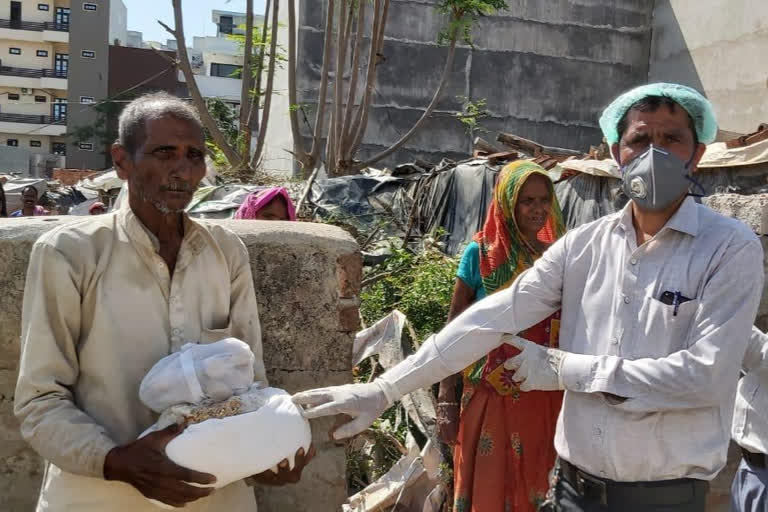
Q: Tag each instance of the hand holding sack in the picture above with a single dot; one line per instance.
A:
(250, 431)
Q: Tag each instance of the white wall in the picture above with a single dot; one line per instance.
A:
(279, 136)
(719, 47)
(227, 89)
(118, 22)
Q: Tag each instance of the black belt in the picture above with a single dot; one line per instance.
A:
(755, 459)
(610, 493)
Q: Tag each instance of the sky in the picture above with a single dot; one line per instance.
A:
(143, 16)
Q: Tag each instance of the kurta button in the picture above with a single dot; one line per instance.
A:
(176, 332)
(627, 300)
(633, 261)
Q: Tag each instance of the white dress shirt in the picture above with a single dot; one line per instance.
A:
(100, 309)
(676, 367)
(750, 416)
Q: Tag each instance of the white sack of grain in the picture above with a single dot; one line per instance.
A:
(213, 371)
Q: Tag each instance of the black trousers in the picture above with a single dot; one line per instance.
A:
(563, 497)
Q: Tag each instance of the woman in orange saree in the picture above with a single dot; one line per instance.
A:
(502, 438)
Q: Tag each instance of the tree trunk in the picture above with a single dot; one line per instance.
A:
(346, 142)
(247, 81)
(270, 84)
(338, 85)
(377, 42)
(322, 95)
(210, 124)
(430, 108)
(256, 99)
(293, 112)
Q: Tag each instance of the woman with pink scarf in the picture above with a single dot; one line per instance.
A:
(269, 204)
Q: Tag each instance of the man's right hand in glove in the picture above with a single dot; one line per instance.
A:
(364, 402)
(144, 465)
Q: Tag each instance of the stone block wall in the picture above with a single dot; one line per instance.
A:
(751, 210)
(307, 280)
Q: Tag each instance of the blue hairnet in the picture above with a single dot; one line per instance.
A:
(697, 106)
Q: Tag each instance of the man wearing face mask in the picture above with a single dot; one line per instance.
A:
(657, 302)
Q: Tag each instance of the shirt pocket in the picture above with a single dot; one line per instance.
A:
(664, 331)
(214, 335)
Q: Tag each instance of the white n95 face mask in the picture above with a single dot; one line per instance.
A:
(655, 179)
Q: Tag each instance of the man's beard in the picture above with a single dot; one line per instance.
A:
(157, 204)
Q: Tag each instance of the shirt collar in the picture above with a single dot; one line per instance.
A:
(139, 234)
(684, 220)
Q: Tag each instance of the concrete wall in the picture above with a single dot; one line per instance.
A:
(718, 47)
(307, 280)
(546, 70)
(89, 30)
(118, 22)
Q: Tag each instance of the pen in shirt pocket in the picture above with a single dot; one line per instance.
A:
(673, 299)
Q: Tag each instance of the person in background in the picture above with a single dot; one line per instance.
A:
(749, 492)
(269, 204)
(3, 205)
(657, 303)
(30, 207)
(85, 349)
(502, 437)
(97, 208)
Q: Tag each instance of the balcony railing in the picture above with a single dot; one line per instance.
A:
(32, 73)
(37, 26)
(31, 119)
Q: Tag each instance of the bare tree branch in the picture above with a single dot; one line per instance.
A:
(322, 94)
(210, 124)
(430, 108)
(270, 85)
(346, 142)
(247, 80)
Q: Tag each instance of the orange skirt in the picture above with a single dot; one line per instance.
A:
(505, 447)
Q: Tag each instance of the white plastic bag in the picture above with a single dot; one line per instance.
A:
(213, 371)
(245, 435)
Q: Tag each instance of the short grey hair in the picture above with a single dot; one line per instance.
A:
(133, 120)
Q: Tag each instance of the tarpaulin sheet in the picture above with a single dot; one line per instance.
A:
(457, 200)
(584, 198)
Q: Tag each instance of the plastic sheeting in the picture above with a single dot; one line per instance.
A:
(584, 198)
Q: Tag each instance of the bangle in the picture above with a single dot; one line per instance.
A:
(447, 403)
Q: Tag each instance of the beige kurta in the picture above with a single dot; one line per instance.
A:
(100, 309)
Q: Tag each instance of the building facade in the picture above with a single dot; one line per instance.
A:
(53, 70)
(34, 78)
(94, 26)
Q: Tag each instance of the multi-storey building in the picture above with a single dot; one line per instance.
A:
(53, 61)
(34, 73)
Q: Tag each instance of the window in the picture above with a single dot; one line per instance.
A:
(89, 7)
(13, 142)
(40, 99)
(225, 24)
(226, 70)
(87, 99)
(43, 7)
(35, 144)
(13, 96)
(88, 54)
(42, 53)
(86, 146)
(14, 51)
(59, 148)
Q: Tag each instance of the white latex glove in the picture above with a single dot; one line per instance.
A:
(364, 402)
(537, 368)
